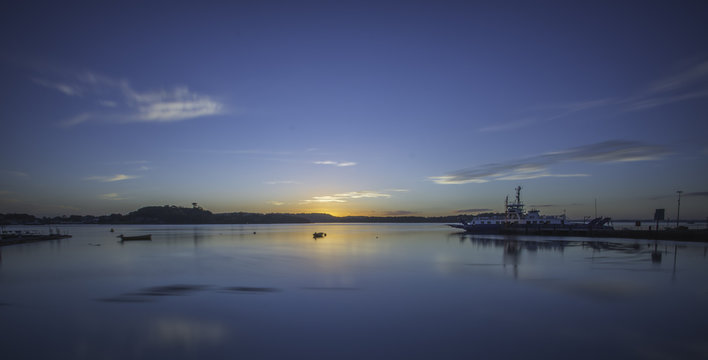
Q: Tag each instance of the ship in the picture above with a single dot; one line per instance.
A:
(518, 220)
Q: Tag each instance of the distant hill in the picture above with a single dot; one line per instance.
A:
(170, 214)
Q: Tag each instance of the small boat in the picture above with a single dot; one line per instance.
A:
(318, 235)
(133, 238)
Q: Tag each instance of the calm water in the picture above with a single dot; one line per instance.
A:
(362, 292)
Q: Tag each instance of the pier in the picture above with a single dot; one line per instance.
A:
(14, 238)
(698, 235)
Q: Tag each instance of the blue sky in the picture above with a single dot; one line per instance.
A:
(355, 108)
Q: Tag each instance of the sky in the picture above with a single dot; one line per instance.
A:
(378, 108)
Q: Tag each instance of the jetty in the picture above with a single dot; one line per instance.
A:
(24, 237)
(588, 231)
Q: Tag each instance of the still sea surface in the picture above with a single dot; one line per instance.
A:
(365, 291)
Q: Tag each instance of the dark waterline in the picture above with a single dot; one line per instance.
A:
(364, 291)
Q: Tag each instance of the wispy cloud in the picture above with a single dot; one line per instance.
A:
(238, 152)
(609, 151)
(276, 203)
(120, 102)
(66, 89)
(516, 124)
(142, 165)
(112, 196)
(281, 182)
(479, 210)
(688, 84)
(399, 213)
(15, 173)
(118, 177)
(77, 119)
(557, 111)
(538, 166)
(345, 197)
(683, 195)
(697, 73)
(176, 105)
(643, 104)
(696, 194)
(538, 176)
(335, 163)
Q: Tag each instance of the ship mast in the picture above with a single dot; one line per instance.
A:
(515, 210)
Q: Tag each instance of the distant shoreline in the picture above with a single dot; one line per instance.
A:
(174, 215)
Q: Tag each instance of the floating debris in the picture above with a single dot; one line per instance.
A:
(148, 294)
(170, 290)
(126, 299)
(251, 289)
(332, 288)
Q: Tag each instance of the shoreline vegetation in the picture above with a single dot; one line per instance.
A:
(170, 214)
(175, 215)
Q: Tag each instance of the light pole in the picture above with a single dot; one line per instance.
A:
(678, 212)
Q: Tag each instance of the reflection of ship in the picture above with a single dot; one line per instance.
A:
(516, 220)
(513, 248)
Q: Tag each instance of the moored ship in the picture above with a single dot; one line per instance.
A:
(517, 220)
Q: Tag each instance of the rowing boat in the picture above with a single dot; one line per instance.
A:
(133, 238)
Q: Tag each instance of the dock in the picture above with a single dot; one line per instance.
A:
(697, 235)
(24, 238)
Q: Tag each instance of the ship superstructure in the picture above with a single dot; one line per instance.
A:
(514, 217)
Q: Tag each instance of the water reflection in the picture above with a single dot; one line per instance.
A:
(185, 333)
(148, 294)
(364, 291)
(513, 247)
(512, 252)
(250, 289)
(515, 243)
(620, 256)
(170, 290)
(656, 254)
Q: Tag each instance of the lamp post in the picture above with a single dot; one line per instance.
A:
(678, 212)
